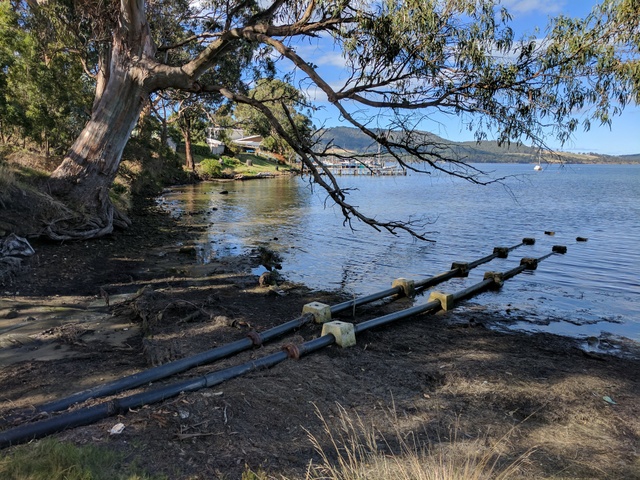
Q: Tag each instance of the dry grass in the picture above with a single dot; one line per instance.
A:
(352, 450)
(7, 182)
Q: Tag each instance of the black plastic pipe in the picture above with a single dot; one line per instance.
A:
(421, 284)
(433, 305)
(88, 415)
(392, 317)
(218, 353)
(177, 366)
(356, 302)
(486, 259)
(497, 253)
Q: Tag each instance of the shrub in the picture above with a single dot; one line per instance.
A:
(196, 149)
(230, 161)
(210, 167)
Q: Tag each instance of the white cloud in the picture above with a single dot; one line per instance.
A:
(534, 6)
(321, 52)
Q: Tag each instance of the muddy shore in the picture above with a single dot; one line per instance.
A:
(78, 315)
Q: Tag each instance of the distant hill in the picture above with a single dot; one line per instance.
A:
(630, 158)
(352, 139)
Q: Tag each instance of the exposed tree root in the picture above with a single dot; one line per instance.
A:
(75, 225)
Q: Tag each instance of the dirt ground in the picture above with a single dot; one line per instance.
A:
(76, 317)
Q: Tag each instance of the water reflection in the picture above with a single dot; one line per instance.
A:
(241, 215)
(595, 283)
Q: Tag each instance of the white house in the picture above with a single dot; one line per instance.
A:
(235, 135)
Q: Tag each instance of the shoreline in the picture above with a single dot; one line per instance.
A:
(436, 372)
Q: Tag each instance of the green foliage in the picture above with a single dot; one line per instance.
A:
(285, 103)
(45, 96)
(196, 149)
(460, 57)
(230, 161)
(271, 144)
(53, 460)
(210, 168)
(405, 61)
(147, 167)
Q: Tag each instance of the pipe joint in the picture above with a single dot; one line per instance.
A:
(255, 337)
(292, 350)
(529, 263)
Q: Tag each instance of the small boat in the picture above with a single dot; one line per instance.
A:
(538, 167)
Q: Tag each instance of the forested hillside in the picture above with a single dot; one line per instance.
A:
(354, 140)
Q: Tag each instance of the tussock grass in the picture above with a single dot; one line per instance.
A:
(355, 451)
(53, 460)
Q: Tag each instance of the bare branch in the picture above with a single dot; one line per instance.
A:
(316, 166)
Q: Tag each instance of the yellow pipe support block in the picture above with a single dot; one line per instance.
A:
(529, 263)
(446, 299)
(497, 277)
(408, 286)
(343, 332)
(462, 267)
(501, 252)
(320, 311)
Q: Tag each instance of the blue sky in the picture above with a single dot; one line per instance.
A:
(622, 138)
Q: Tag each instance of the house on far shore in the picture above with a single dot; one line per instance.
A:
(248, 144)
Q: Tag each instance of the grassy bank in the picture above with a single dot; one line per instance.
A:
(246, 164)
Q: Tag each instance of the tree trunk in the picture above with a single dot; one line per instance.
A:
(83, 179)
(186, 133)
(128, 73)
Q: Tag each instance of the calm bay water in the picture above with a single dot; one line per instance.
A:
(594, 289)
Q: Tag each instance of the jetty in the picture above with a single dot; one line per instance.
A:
(373, 166)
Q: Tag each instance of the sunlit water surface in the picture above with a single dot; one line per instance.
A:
(594, 289)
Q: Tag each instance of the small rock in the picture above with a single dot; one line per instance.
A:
(266, 279)
(117, 429)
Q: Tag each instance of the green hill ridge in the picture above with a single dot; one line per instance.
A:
(353, 140)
